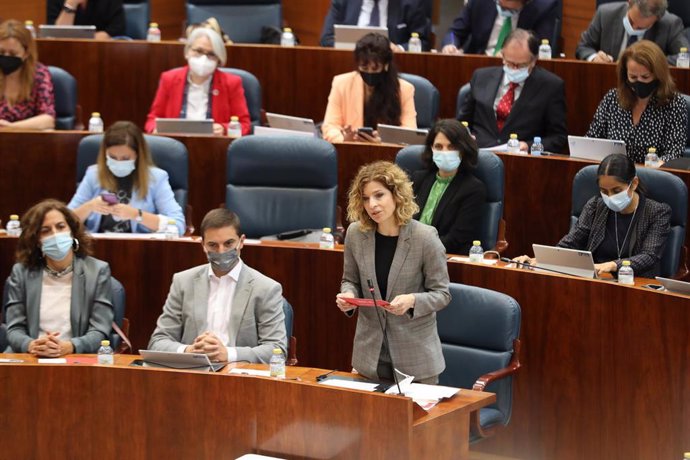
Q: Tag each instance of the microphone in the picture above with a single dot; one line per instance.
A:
(532, 267)
(385, 335)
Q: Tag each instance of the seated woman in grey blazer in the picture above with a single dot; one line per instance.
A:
(59, 298)
(406, 263)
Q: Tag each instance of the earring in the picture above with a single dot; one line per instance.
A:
(75, 244)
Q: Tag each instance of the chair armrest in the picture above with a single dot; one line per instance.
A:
(189, 223)
(683, 273)
(501, 243)
(292, 351)
(512, 367)
(125, 344)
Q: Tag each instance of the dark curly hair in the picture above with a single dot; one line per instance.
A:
(459, 138)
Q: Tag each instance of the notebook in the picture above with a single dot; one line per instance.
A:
(591, 148)
(184, 126)
(346, 37)
(191, 361)
(51, 31)
(404, 136)
(571, 261)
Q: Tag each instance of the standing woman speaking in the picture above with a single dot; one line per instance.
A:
(406, 263)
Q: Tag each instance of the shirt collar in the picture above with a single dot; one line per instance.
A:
(233, 274)
(445, 180)
(204, 85)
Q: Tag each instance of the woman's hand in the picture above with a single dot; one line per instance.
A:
(344, 306)
(400, 304)
(99, 206)
(124, 211)
(374, 138)
(218, 129)
(349, 134)
(525, 260)
(606, 267)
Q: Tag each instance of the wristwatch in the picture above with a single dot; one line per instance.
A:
(68, 9)
(140, 216)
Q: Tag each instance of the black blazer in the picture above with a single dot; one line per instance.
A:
(539, 111)
(472, 28)
(404, 17)
(106, 15)
(458, 214)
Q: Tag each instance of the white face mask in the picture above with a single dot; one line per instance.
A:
(201, 66)
(629, 28)
(516, 75)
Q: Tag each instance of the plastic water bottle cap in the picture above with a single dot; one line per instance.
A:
(537, 140)
(14, 217)
(327, 229)
(465, 124)
(513, 136)
(277, 351)
(287, 29)
(96, 114)
(476, 243)
(31, 23)
(544, 41)
(626, 263)
(652, 150)
(415, 35)
(171, 221)
(153, 25)
(105, 343)
(234, 118)
(682, 50)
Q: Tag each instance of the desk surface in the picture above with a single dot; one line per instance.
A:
(151, 413)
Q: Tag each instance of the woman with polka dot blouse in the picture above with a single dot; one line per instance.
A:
(645, 110)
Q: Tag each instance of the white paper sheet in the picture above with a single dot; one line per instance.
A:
(256, 372)
(52, 361)
(351, 384)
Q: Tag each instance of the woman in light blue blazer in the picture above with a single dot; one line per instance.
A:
(124, 192)
(59, 299)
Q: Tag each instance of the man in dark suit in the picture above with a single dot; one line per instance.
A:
(620, 24)
(483, 25)
(518, 98)
(402, 17)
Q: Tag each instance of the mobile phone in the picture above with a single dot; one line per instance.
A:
(110, 198)
(366, 130)
(656, 287)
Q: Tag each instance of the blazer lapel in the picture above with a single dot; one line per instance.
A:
(393, 16)
(446, 198)
(401, 252)
(598, 226)
(527, 93)
(487, 95)
(78, 297)
(368, 248)
(240, 301)
(353, 12)
(34, 283)
(614, 35)
(200, 306)
(423, 192)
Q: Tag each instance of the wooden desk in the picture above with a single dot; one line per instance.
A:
(142, 413)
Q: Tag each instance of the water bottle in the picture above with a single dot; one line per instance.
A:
(415, 43)
(154, 33)
(626, 275)
(326, 241)
(29, 25)
(513, 144)
(234, 127)
(686, 456)
(537, 147)
(544, 50)
(476, 251)
(683, 58)
(171, 230)
(105, 353)
(13, 226)
(651, 160)
(287, 38)
(277, 364)
(96, 123)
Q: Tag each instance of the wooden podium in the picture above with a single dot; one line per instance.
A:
(88, 411)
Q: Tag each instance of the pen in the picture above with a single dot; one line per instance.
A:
(5, 360)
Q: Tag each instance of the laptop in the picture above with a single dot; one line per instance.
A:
(191, 361)
(305, 125)
(592, 148)
(346, 37)
(404, 136)
(569, 261)
(273, 132)
(184, 126)
(52, 31)
(680, 287)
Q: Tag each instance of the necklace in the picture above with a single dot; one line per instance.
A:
(59, 274)
(619, 248)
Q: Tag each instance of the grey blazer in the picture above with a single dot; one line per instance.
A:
(606, 32)
(91, 314)
(257, 323)
(419, 267)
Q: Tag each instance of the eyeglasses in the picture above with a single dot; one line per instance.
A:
(202, 52)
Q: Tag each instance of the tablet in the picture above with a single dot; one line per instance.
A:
(571, 261)
(52, 31)
(404, 136)
(364, 302)
(188, 361)
(592, 148)
(287, 122)
(346, 37)
(679, 287)
(184, 126)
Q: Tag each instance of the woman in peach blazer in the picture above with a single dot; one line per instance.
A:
(371, 95)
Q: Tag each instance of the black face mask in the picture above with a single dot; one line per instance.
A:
(643, 90)
(372, 79)
(9, 64)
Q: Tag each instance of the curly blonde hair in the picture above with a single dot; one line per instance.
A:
(395, 180)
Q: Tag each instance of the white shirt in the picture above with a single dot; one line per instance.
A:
(197, 99)
(496, 30)
(367, 8)
(503, 89)
(56, 306)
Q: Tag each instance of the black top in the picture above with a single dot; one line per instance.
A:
(383, 259)
(124, 196)
(608, 249)
(106, 15)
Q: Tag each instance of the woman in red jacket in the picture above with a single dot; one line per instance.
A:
(200, 91)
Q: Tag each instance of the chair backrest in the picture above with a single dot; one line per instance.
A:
(489, 170)
(252, 93)
(136, 19)
(119, 306)
(168, 154)
(278, 184)
(463, 92)
(680, 8)
(686, 153)
(242, 20)
(477, 330)
(65, 89)
(426, 99)
(287, 311)
(661, 186)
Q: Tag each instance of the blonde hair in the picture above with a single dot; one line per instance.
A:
(15, 29)
(647, 54)
(395, 180)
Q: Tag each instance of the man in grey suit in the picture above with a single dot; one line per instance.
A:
(224, 309)
(620, 24)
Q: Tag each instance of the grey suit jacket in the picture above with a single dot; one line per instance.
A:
(419, 267)
(606, 32)
(257, 323)
(91, 314)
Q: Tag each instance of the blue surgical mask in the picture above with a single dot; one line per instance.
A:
(447, 160)
(120, 168)
(516, 75)
(57, 246)
(629, 28)
(617, 202)
(506, 13)
(223, 261)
